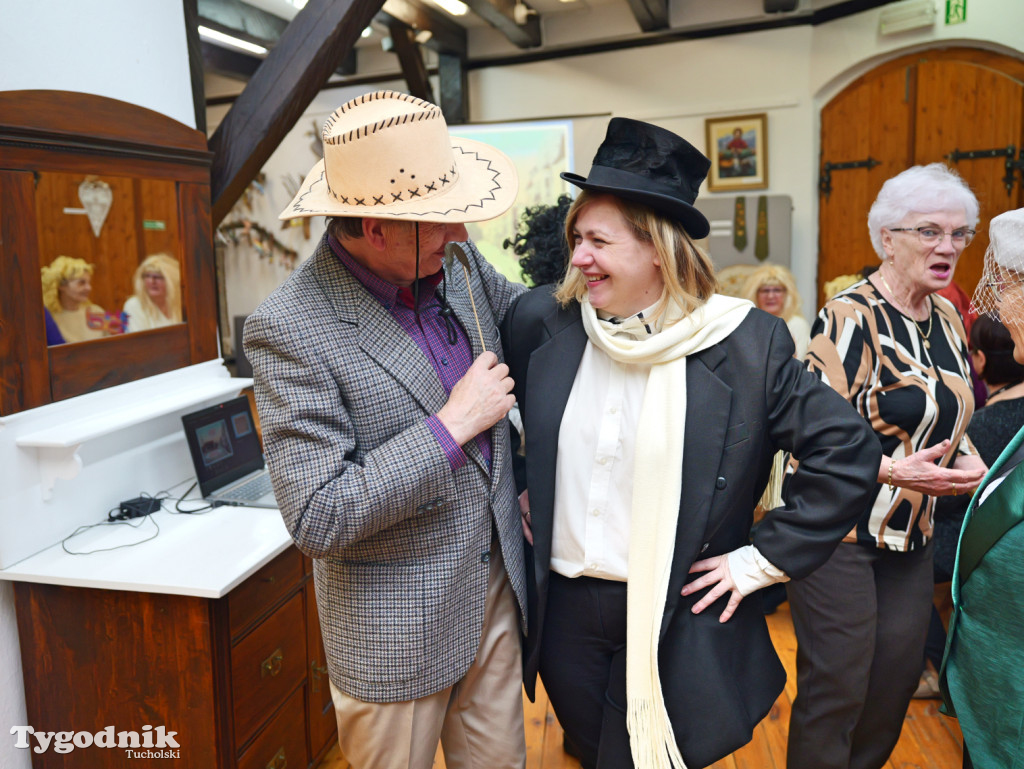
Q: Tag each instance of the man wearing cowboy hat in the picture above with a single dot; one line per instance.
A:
(382, 404)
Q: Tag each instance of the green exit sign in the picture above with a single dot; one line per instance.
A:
(153, 224)
(956, 11)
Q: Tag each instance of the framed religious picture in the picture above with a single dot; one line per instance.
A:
(738, 149)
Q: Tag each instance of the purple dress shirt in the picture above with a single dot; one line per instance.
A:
(429, 331)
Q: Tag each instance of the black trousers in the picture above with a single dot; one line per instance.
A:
(583, 667)
(860, 622)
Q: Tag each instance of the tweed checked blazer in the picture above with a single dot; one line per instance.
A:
(400, 542)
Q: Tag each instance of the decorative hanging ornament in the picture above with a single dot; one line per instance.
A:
(96, 197)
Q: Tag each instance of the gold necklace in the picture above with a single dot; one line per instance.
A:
(931, 316)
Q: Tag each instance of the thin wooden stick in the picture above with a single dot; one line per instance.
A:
(453, 249)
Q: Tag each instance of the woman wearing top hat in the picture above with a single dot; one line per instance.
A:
(652, 408)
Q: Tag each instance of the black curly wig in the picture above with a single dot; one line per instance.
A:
(540, 242)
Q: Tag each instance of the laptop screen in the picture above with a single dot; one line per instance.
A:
(224, 444)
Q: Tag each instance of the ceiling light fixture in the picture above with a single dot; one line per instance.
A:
(366, 32)
(220, 37)
(454, 7)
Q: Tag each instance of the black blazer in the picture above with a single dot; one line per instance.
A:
(747, 397)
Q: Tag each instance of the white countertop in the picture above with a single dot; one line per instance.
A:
(204, 555)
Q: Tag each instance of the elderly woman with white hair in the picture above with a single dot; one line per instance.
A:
(897, 351)
(981, 673)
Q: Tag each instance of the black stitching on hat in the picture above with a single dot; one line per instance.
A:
(432, 187)
(378, 201)
(396, 196)
(444, 179)
(360, 202)
(414, 193)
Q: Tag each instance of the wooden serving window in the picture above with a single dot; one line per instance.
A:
(153, 178)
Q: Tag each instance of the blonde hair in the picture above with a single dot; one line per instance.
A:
(774, 275)
(57, 273)
(687, 271)
(167, 266)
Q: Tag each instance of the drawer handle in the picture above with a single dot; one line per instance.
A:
(271, 579)
(318, 672)
(279, 761)
(272, 665)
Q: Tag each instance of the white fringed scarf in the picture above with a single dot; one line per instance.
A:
(657, 484)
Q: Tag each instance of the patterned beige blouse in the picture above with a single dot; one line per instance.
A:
(914, 393)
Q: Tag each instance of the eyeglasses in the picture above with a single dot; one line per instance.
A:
(772, 290)
(931, 236)
(998, 288)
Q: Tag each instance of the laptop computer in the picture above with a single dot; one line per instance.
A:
(227, 455)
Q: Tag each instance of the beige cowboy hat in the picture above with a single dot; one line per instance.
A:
(388, 155)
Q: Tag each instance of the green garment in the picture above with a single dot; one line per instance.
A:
(982, 673)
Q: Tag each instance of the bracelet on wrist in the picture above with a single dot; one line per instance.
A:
(892, 463)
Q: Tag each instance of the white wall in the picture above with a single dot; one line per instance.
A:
(787, 73)
(123, 49)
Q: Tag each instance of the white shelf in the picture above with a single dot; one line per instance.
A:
(105, 422)
(57, 445)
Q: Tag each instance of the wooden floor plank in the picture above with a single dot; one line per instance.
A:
(929, 740)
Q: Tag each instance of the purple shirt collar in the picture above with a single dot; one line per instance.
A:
(386, 293)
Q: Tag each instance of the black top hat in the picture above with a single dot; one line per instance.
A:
(649, 165)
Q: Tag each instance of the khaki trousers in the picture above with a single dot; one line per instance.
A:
(478, 721)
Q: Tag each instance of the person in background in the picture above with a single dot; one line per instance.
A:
(653, 407)
(991, 429)
(981, 673)
(897, 352)
(53, 335)
(67, 284)
(383, 403)
(771, 288)
(157, 298)
(539, 242)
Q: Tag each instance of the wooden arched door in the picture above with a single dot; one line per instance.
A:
(961, 106)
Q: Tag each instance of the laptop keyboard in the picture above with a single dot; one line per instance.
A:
(253, 489)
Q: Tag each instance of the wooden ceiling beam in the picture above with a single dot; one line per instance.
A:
(414, 70)
(502, 15)
(319, 37)
(246, 21)
(445, 35)
(651, 15)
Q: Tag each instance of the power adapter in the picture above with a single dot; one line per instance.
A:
(137, 508)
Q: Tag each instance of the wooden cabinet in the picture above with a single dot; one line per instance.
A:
(240, 681)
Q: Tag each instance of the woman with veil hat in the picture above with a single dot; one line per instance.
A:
(981, 677)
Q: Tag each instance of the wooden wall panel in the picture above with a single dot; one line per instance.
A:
(157, 202)
(113, 255)
(85, 367)
(871, 119)
(199, 285)
(24, 366)
(947, 92)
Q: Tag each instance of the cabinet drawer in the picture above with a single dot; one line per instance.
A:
(282, 745)
(263, 589)
(266, 666)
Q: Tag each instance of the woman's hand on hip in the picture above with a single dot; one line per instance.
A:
(524, 512)
(719, 579)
